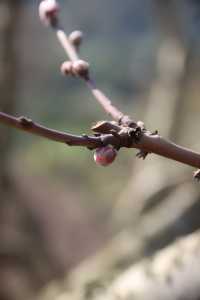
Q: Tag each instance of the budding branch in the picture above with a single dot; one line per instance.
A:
(148, 143)
(124, 132)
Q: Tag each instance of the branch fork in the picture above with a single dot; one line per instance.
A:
(123, 131)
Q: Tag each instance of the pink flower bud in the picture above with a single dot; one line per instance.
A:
(80, 68)
(66, 68)
(76, 38)
(104, 156)
(48, 11)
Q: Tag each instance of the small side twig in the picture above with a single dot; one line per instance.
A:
(29, 126)
(103, 100)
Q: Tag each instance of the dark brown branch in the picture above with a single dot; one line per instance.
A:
(149, 143)
(158, 145)
(28, 125)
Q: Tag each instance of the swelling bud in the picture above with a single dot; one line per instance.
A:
(66, 68)
(76, 38)
(48, 11)
(80, 68)
(104, 156)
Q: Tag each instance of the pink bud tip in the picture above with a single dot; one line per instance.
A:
(76, 38)
(104, 156)
(48, 11)
(80, 68)
(66, 68)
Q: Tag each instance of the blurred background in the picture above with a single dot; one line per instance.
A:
(58, 210)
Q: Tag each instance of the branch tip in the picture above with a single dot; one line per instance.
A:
(76, 38)
(48, 12)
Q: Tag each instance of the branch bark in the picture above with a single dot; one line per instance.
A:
(26, 124)
(147, 142)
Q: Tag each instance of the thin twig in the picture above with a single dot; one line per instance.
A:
(29, 126)
(103, 100)
(67, 46)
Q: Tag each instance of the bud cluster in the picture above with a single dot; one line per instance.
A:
(76, 68)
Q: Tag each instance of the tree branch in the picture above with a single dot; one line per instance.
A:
(29, 126)
(148, 143)
(126, 133)
(158, 145)
(102, 99)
